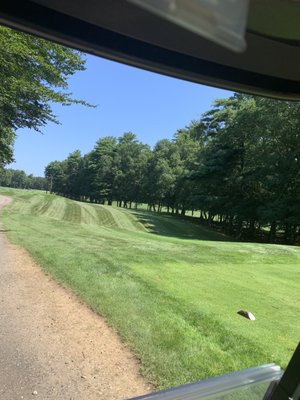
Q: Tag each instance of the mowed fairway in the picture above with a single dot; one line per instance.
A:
(170, 288)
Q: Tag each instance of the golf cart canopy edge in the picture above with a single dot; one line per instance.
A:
(122, 31)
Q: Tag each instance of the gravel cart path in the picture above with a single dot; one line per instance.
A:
(51, 345)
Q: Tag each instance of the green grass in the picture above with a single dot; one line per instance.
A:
(170, 288)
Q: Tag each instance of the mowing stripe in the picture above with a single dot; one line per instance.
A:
(71, 212)
(88, 214)
(105, 217)
(122, 219)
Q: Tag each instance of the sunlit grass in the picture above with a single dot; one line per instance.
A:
(172, 295)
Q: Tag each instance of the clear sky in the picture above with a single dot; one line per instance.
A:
(129, 99)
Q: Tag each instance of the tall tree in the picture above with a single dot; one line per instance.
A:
(101, 169)
(73, 172)
(132, 161)
(189, 143)
(161, 178)
(55, 173)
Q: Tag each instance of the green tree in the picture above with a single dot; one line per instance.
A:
(132, 158)
(189, 143)
(160, 178)
(33, 75)
(55, 173)
(73, 171)
(101, 169)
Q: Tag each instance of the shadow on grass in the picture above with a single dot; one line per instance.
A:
(176, 226)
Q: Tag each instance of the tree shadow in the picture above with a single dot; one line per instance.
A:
(176, 226)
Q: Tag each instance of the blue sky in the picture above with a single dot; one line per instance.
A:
(129, 99)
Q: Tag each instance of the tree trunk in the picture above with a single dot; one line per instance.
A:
(239, 228)
(210, 218)
(290, 233)
(230, 225)
(251, 228)
(272, 233)
(293, 234)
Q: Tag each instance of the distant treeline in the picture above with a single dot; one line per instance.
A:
(239, 165)
(16, 178)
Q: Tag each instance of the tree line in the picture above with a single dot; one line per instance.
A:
(239, 165)
(17, 178)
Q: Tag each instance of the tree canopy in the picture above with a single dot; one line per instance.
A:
(33, 74)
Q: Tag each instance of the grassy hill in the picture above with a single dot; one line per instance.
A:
(171, 288)
(60, 208)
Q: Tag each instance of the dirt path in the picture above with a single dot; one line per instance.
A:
(51, 345)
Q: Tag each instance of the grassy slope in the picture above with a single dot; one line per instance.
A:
(172, 295)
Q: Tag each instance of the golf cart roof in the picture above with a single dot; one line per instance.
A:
(123, 31)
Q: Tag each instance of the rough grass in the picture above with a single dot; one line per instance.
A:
(170, 288)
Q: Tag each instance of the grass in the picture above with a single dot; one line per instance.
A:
(170, 288)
